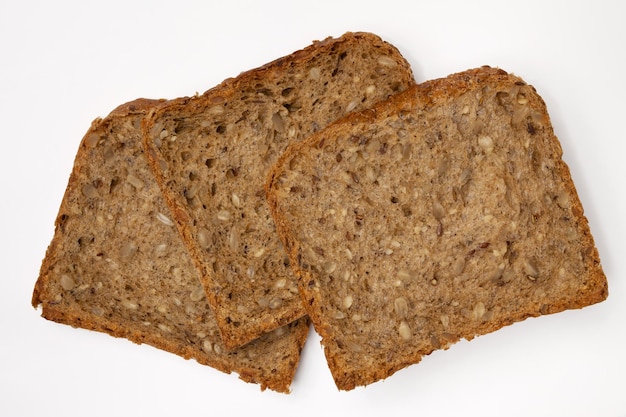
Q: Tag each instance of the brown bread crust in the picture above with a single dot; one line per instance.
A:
(115, 266)
(445, 212)
(210, 155)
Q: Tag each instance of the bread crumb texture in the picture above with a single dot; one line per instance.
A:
(443, 213)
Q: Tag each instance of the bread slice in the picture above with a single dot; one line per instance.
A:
(117, 265)
(444, 213)
(211, 153)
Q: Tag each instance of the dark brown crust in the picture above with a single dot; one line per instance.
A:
(425, 96)
(216, 95)
(278, 380)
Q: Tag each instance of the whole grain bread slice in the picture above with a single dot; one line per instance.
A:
(116, 263)
(210, 154)
(444, 213)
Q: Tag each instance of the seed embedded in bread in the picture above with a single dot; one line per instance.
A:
(486, 143)
(404, 330)
(401, 307)
(223, 215)
(164, 219)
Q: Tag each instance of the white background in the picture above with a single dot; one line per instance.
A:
(64, 63)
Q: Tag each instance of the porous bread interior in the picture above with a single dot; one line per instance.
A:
(211, 155)
(117, 265)
(433, 219)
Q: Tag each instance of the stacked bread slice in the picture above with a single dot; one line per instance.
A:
(173, 244)
(211, 155)
(445, 212)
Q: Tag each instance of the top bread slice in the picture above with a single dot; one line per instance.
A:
(444, 213)
(116, 263)
(211, 153)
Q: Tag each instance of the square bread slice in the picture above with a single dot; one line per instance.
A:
(211, 154)
(444, 213)
(116, 263)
